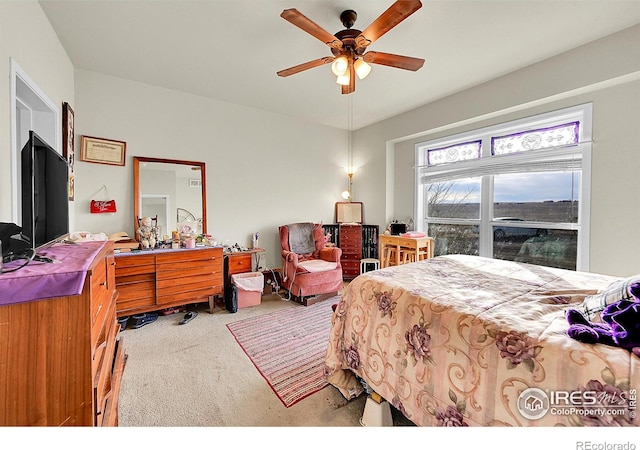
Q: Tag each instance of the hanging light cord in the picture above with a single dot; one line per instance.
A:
(350, 126)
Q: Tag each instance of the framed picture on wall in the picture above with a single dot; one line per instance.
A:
(102, 151)
(68, 144)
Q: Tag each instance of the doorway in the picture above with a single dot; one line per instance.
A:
(33, 110)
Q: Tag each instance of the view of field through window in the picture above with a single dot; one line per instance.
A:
(511, 191)
(524, 231)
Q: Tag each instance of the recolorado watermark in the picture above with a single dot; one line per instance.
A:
(534, 404)
(590, 445)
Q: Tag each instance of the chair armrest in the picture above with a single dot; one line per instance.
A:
(331, 254)
(289, 264)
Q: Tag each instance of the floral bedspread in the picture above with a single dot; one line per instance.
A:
(470, 341)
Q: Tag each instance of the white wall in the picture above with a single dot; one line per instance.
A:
(263, 169)
(605, 72)
(27, 37)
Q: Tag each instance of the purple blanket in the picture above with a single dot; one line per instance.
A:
(40, 280)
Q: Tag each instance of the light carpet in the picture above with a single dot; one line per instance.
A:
(288, 348)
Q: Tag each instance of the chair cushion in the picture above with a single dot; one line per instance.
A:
(317, 265)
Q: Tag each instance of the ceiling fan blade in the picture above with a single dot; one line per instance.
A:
(396, 13)
(391, 60)
(305, 24)
(305, 66)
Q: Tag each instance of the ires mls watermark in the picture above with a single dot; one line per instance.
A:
(534, 403)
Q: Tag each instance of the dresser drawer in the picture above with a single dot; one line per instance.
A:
(192, 255)
(104, 365)
(196, 286)
(102, 297)
(100, 331)
(136, 292)
(134, 260)
(351, 269)
(109, 415)
(353, 248)
(134, 265)
(186, 269)
(239, 264)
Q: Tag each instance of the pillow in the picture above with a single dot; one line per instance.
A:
(625, 289)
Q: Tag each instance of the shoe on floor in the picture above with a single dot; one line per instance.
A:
(140, 320)
(174, 310)
(188, 317)
(122, 321)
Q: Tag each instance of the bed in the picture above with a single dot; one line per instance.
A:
(469, 341)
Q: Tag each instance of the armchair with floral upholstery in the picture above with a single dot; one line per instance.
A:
(309, 268)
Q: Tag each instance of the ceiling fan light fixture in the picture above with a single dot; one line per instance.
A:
(340, 65)
(343, 79)
(362, 68)
(348, 46)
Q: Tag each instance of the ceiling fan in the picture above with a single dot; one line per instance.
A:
(349, 45)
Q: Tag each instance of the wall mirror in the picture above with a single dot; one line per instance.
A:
(349, 212)
(173, 190)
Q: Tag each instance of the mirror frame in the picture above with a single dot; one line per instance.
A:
(347, 210)
(136, 185)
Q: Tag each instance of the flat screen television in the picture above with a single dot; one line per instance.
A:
(45, 195)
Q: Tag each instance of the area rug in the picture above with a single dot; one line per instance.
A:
(288, 348)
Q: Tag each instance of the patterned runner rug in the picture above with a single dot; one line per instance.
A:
(288, 348)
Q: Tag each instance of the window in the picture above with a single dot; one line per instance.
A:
(517, 191)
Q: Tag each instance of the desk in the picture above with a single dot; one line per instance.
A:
(396, 250)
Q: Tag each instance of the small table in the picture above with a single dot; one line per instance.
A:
(404, 249)
(239, 262)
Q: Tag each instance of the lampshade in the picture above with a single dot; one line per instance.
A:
(346, 195)
(350, 170)
(340, 65)
(343, 79)
(361, 68)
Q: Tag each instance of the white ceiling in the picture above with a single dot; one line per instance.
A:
(230, 50)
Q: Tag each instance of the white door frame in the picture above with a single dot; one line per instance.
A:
(31, 109)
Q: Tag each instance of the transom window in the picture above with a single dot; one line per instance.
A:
(517, 191)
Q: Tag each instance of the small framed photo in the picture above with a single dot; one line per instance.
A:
(102, 151)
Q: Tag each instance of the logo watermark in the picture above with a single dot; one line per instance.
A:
(590, 445)
(534, 403)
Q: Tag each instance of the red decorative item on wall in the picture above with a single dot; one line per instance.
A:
(103, 206)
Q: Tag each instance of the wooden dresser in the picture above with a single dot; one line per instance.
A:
(159, 279)
(61, 361)
(350, 241)
(368, 243)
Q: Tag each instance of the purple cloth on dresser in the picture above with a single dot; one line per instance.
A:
(40, 280)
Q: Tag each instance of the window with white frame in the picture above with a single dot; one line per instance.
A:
(517, 191)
